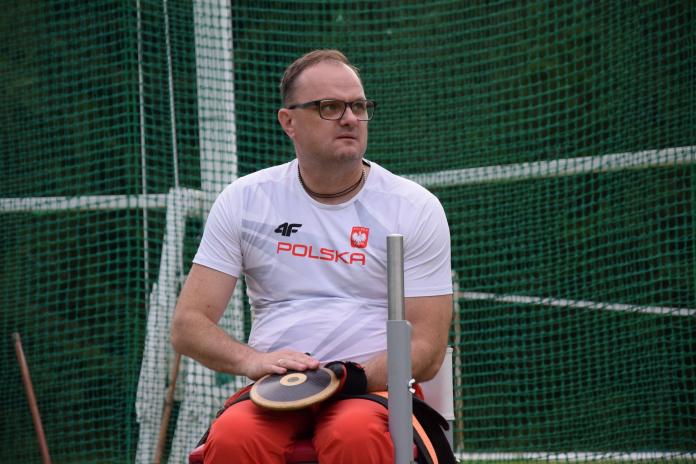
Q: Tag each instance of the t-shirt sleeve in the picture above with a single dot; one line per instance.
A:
(427, 255)
(220, 246)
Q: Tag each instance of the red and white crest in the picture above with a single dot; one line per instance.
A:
(359, 236)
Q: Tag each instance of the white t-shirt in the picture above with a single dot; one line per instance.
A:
(316, 274)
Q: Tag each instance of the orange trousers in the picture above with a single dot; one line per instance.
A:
(351, 431)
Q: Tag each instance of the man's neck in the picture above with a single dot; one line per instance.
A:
(333, 186)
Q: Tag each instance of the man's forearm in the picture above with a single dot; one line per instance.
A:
(199, 338)
(425, 363)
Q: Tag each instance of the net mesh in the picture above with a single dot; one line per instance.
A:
(559, 136)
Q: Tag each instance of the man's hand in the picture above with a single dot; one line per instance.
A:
(352, 377)
(277, 362)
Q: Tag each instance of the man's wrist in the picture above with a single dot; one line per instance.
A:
(351, 375)
(243, 360)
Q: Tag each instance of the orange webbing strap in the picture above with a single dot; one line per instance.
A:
(422, 439)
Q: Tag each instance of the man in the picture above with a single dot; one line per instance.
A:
(310, 238)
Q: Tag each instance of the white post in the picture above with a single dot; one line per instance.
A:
(198, 390)
(215, 86)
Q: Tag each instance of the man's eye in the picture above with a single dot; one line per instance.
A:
(329, 106)
(358, 107)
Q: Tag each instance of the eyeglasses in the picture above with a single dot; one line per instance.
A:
(334, 110)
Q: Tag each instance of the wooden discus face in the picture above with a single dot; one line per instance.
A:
(294, 389)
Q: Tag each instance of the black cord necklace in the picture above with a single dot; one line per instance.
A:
(331, 195)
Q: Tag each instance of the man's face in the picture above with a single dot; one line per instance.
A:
(319, 139)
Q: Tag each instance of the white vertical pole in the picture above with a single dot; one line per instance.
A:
(212, 22)
(143, 150)
(399, 355)
(172, 103)
(217, 133)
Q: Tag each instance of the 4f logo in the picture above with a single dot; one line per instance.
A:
(286, 229)
(359, 236)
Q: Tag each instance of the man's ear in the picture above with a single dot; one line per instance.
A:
(286, 121)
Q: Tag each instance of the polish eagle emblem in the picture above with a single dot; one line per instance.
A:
(359, 236)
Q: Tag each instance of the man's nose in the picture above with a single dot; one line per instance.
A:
(348, 116)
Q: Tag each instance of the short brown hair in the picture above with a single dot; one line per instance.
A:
(292, 72)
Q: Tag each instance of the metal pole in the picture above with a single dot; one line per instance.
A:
(399, 355)
(31, 398)
(395, 276)
(167, 411)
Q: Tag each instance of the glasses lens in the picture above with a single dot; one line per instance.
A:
(363, 109)
(331, 109)
(334, 109)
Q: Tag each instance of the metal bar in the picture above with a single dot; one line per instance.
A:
(31, 398)
(665, 157)
(172, 102)
(400, 398)
(143, 149)
(201, 200)
(578, 456)
(167, 410)
(576, 304)
(395, 276)
(399, 355)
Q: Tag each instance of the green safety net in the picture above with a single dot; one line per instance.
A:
(559, 136)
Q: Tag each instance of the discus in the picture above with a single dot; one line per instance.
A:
(294, 389)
